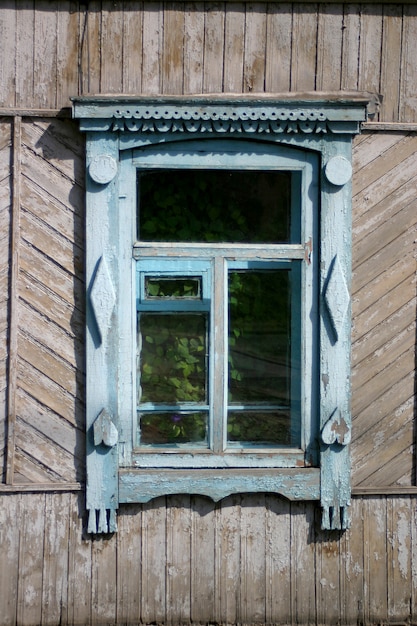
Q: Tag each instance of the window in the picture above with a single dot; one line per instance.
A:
(218, 262)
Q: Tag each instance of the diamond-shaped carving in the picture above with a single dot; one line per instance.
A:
(102, 298)
(337, 296)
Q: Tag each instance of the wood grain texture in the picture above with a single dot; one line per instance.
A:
(384, 304)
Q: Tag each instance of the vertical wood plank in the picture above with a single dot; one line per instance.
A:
(55, 562)
(278, 48)
(31, 555)
(45, 55)
(67, 52)
(399, 548)
(303, 581)
(79, 564)
(413, 572)
(14, 297)
(228, 563)
(329, 47)
(327, 575)
(370, 48)
(132, 46)
(350, 47)
(129, 542)
(8, 58)
(375, 591)
(25, 18)
(234, 47)
(408, 96)
(304, 47)
(255, 48)
(152, 47)
(173, 49)
(391, 62)
(111, 46)
(252, 594)
(178, 547)
(213, 48)
(203, 544)
(193, 47)
(9, 563)
(278, 560)
(103, 580)
(351, 567)
(154, 561)
(90, 61)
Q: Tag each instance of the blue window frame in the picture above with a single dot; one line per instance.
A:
(218, 322)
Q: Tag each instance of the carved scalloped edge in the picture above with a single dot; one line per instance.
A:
(101, 521)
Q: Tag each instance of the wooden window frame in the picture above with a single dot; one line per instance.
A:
(124, 132)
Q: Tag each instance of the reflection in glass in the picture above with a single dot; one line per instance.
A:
(174, 288)
(173, 428)
(216, 206)
(173, 352)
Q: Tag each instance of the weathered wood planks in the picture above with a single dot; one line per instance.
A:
(58, 51)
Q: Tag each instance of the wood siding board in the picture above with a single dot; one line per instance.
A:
(79, 565)
(413, 570)
(328, 576)
(228, 564)
(255, 48)
(103, 582)
(369, 146)
(350, 47)
(234, 49)
(370, 48)
(329, 47)
(352, 567)
(203, 559)
(391, 61)
(45, 56)
(394, 471)
(55, 562)
(252, 546)
(304, 47)
(9, 569)
(25, 32)
(68, 62)
(375, 554)
(408, 97)
(90, 48)
(154, 561)
(399, 558)
(304, 599)
(8, 60)
(152, 47)
(111, 46)
(193, 47)
(132, 46)
(28, 470)
(278, 560)
(214, 47)
(129, 549)
(278, 48)
(178, 559)
(173, 49)
(31, 554)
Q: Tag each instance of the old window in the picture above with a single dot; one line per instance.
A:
(218, 262)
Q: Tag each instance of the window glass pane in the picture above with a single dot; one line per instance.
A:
(174, 288)
(260, 427)
(260, 360)
(173, 357)
(172, 428)
(216, 206)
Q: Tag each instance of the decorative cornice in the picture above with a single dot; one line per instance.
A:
(205, 115)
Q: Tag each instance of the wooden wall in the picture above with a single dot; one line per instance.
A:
(249, 559)
(60, 49)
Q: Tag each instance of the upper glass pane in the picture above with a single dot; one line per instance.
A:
(215, 206)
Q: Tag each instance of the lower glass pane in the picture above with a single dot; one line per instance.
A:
(260, 427)
(172, 428)
(172, 358)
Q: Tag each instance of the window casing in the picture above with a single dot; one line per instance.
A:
(141, 419)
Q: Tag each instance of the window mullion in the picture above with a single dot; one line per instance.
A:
(218, 365)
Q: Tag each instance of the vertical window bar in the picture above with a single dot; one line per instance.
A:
(218, 369)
